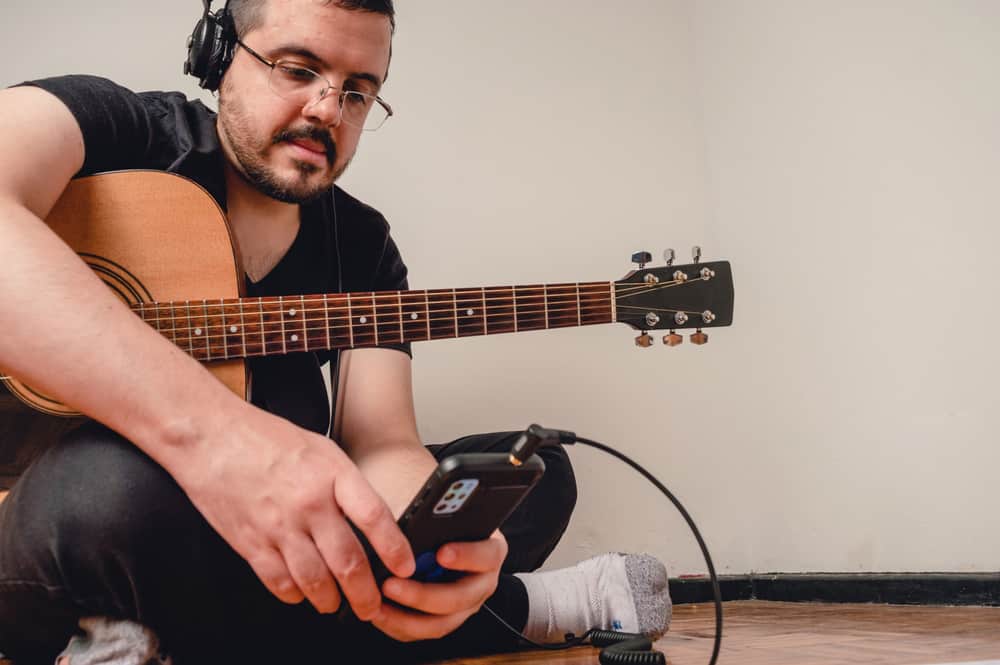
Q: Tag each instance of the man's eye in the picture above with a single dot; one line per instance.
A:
(356, 99)
(296, 73)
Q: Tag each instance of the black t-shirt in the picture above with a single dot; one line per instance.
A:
(167, 132)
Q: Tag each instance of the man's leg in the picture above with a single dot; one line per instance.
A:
(96, 528)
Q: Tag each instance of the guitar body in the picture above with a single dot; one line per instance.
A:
(149, 236)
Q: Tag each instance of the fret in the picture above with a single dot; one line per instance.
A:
(305, 331)
(513, 302)
(467, 306)
(243, 329)
(208, 331)
(350, 320)
(427, 312)
(399, 302)
(326, 319)
(500, 312)
(263, 339)
(363, 320)
(414, 320)
(614, 304)
(191, 331)
(387, 321)
(375, 318)
(529, 312)
(281, 306)
(339, 328)
(441, 313)
(578, 321)
(454, 304)
(595, 305)
(486, 328)
(545, 303)
(173, 322)
(563, 305)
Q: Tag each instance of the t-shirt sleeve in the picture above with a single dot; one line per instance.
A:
(116, 127)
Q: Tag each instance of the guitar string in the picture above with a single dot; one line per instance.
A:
(312, 300)
(476, 294)
(561, 315)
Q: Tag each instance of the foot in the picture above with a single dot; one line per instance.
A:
(112, 642)
(623, 592)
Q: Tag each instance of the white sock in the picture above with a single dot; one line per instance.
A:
(623, 592)
(113, 642)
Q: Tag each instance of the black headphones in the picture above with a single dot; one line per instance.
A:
(211, 47)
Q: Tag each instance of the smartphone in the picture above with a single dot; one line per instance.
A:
(466, 498)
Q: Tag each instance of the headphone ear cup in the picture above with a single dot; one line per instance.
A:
(198, 48)
(210, 50)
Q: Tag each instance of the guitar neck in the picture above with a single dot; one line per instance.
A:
(226, 329)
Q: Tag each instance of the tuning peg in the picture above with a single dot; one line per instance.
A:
(668, 256)
(698, 337)
(696, 253)
(644, 340)
(673, 339)
(642, 258)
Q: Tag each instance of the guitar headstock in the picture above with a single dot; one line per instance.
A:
(675, 297)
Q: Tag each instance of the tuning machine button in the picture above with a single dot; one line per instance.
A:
(680, 318)
(644, 340)
(668, 256)
(673, 339)
(699, 338)
(642, 258)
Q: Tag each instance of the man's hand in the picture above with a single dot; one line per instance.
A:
(279, 495)
(443, 607)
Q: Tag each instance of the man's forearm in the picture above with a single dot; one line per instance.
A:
(397, 471)
(67, 335)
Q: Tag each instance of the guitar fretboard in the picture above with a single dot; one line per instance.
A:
(248, 327)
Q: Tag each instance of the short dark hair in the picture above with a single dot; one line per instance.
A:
(249, 14)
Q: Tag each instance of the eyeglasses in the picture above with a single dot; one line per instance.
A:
(301, 85)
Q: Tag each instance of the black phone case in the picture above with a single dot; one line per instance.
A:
(501, 488)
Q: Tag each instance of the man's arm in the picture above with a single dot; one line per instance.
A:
(276, 493)
(375, 423)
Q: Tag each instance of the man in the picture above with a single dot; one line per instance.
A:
(220, 527)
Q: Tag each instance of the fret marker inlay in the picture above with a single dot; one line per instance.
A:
(363, 319)
(233, 329)
(291, 312)
(414, 316)
(295, 338)
(469, 312)
(197, 331)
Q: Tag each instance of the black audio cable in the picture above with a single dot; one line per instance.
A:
(625, 648)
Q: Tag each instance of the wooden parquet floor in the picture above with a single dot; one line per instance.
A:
(769, 633)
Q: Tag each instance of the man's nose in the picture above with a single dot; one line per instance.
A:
(325, 109)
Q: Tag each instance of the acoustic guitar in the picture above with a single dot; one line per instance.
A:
(136, 229)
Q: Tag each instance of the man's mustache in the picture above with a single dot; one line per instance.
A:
(310, 134)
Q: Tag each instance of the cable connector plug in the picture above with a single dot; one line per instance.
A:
(534, 438)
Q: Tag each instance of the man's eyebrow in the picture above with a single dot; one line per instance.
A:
(303, 52)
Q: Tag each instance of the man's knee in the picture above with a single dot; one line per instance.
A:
(559, 482)
(95, 487)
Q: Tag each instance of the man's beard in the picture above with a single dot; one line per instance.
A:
(260, 175)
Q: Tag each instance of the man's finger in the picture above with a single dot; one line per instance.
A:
(346, 560)
(310, 573)
(270, 568)
(441, 598)
(366, 509)
(476, 557)
(405, 626)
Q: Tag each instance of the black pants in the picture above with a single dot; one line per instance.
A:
(95, 527)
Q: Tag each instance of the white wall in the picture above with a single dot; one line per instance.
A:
(843, 155)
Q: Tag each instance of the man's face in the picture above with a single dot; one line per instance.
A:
(291, 152)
